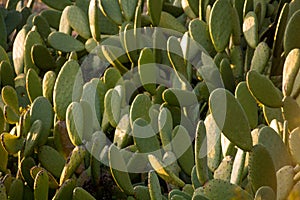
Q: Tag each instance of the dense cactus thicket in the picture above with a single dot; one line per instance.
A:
(156, 99)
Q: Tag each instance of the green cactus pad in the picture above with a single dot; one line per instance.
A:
(294, 144)
(75, 123)
(121, 137)
(112, 78)
(188, 188)
(261, 57)
(272, 113)
(220, 27)
(119, 170)
(51, 160)
(4, 160)
(178, 194)
(280, 29)
(285, 181)
(57, 4)
(237, 62)
(41, 184)
(202, 9)
(94, 19)
(2, 121)
(265, 193)
(32, 38)
(223, 172)
(76, 158)
(42, 58)
(290, 73)
(96, 89)
(248, 103)
(145, 138)
(191, 8)
(170, 161)
(3, 55)
(67, 88)
(18, 50)
(97, 147)
(86, 52)
(112, 102)
(155, 10)
(42, 110)
(140, 108)
(178, 97)
(42, 26)
(291, 112)
(112, 10)
(80, 193)
(25, 166)
(64, 42)
(263, 89)
(10, 98)
(200, 153)
(236, 26)
(128, 8)
(52, 181)
(33, 85)
(154, 185)
(61, 138)
(6, 74)
(12, 21)
(78, 21)
(133, 160)
(219, 189)
(164, 172)
(33, 137)
(194, 179)
(66, 190)
(290, 40)
(16, 190)
(11, 143)
(165, 124)
(276, 148)
(182, 148)
(10, 115)
(141, 193)
(3, 32)
(175, 55)
(213, 143)
(90, 45)
(64, 25)
(48, 85)
(52, 17)
(170, 22)
(147, 70)
(130, 40)
(87, 120)
(239, 134)
(111, 53)
(261, 168)
(20, 80)
(25, 124)
(250, 29)
(197, 26)
(227, 75)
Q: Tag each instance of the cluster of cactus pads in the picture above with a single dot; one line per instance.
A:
(156, 99)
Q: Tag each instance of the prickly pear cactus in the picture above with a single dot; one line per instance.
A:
(144, 99)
